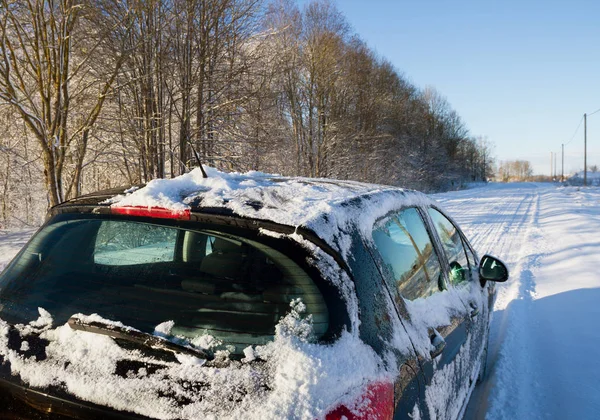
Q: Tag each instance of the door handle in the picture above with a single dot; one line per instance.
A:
(474, 311)
(438, 343)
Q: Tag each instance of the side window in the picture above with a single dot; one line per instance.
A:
(130, 243)
(453, 246)
(405, 246)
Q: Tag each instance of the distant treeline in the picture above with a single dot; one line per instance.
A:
(99, 93)
(514, 170)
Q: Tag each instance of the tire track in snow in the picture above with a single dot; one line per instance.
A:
(504, 222)
(511, 354)
(497, 239)
(491, 230)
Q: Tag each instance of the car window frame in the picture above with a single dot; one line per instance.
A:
(381, 262)
(466, 245)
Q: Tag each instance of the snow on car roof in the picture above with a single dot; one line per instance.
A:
(330, 208)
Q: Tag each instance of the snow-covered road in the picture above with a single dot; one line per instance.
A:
(543, 359)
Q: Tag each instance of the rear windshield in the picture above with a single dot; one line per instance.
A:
(210, 284)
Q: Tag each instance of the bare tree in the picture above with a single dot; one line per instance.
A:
(99, 93)
(40, 76)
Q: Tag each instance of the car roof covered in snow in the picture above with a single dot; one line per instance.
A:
(329, 208)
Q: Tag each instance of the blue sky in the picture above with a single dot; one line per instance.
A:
(521, 73)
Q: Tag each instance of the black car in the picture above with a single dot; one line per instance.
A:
(245, 296)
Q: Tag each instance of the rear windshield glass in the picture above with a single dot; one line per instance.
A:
(210, 284)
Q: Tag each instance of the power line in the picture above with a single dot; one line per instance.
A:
(598, 110)
(577, 129)
(583, 119)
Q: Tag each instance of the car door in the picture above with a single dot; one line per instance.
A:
(379, 325)
(460, 261)
(435, 319)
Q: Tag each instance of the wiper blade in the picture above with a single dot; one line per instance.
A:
(134, 336)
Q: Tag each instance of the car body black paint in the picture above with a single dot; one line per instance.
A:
(374, 300)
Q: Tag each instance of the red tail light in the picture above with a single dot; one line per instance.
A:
(377, 403)
(156, 212)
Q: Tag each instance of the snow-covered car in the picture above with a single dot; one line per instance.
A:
(247, 296)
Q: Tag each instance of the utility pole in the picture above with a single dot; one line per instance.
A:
(562, 166)
(551, 160)
(555, 169)
(584, 150)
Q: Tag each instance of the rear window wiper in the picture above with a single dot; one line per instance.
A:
(134, 336)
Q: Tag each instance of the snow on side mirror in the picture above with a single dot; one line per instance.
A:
(492, 269)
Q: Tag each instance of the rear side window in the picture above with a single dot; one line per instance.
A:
(453, 246)
(130, 243)
(406, 248)
(212, 285)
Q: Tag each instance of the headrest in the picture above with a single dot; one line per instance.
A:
(223, 245)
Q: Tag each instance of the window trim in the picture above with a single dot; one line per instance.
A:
(463, 238)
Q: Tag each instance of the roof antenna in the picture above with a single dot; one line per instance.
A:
(204, 175)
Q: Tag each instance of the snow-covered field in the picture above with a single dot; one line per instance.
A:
(543, 360)
(11, 241)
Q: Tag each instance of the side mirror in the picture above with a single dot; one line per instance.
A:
(492, 269)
